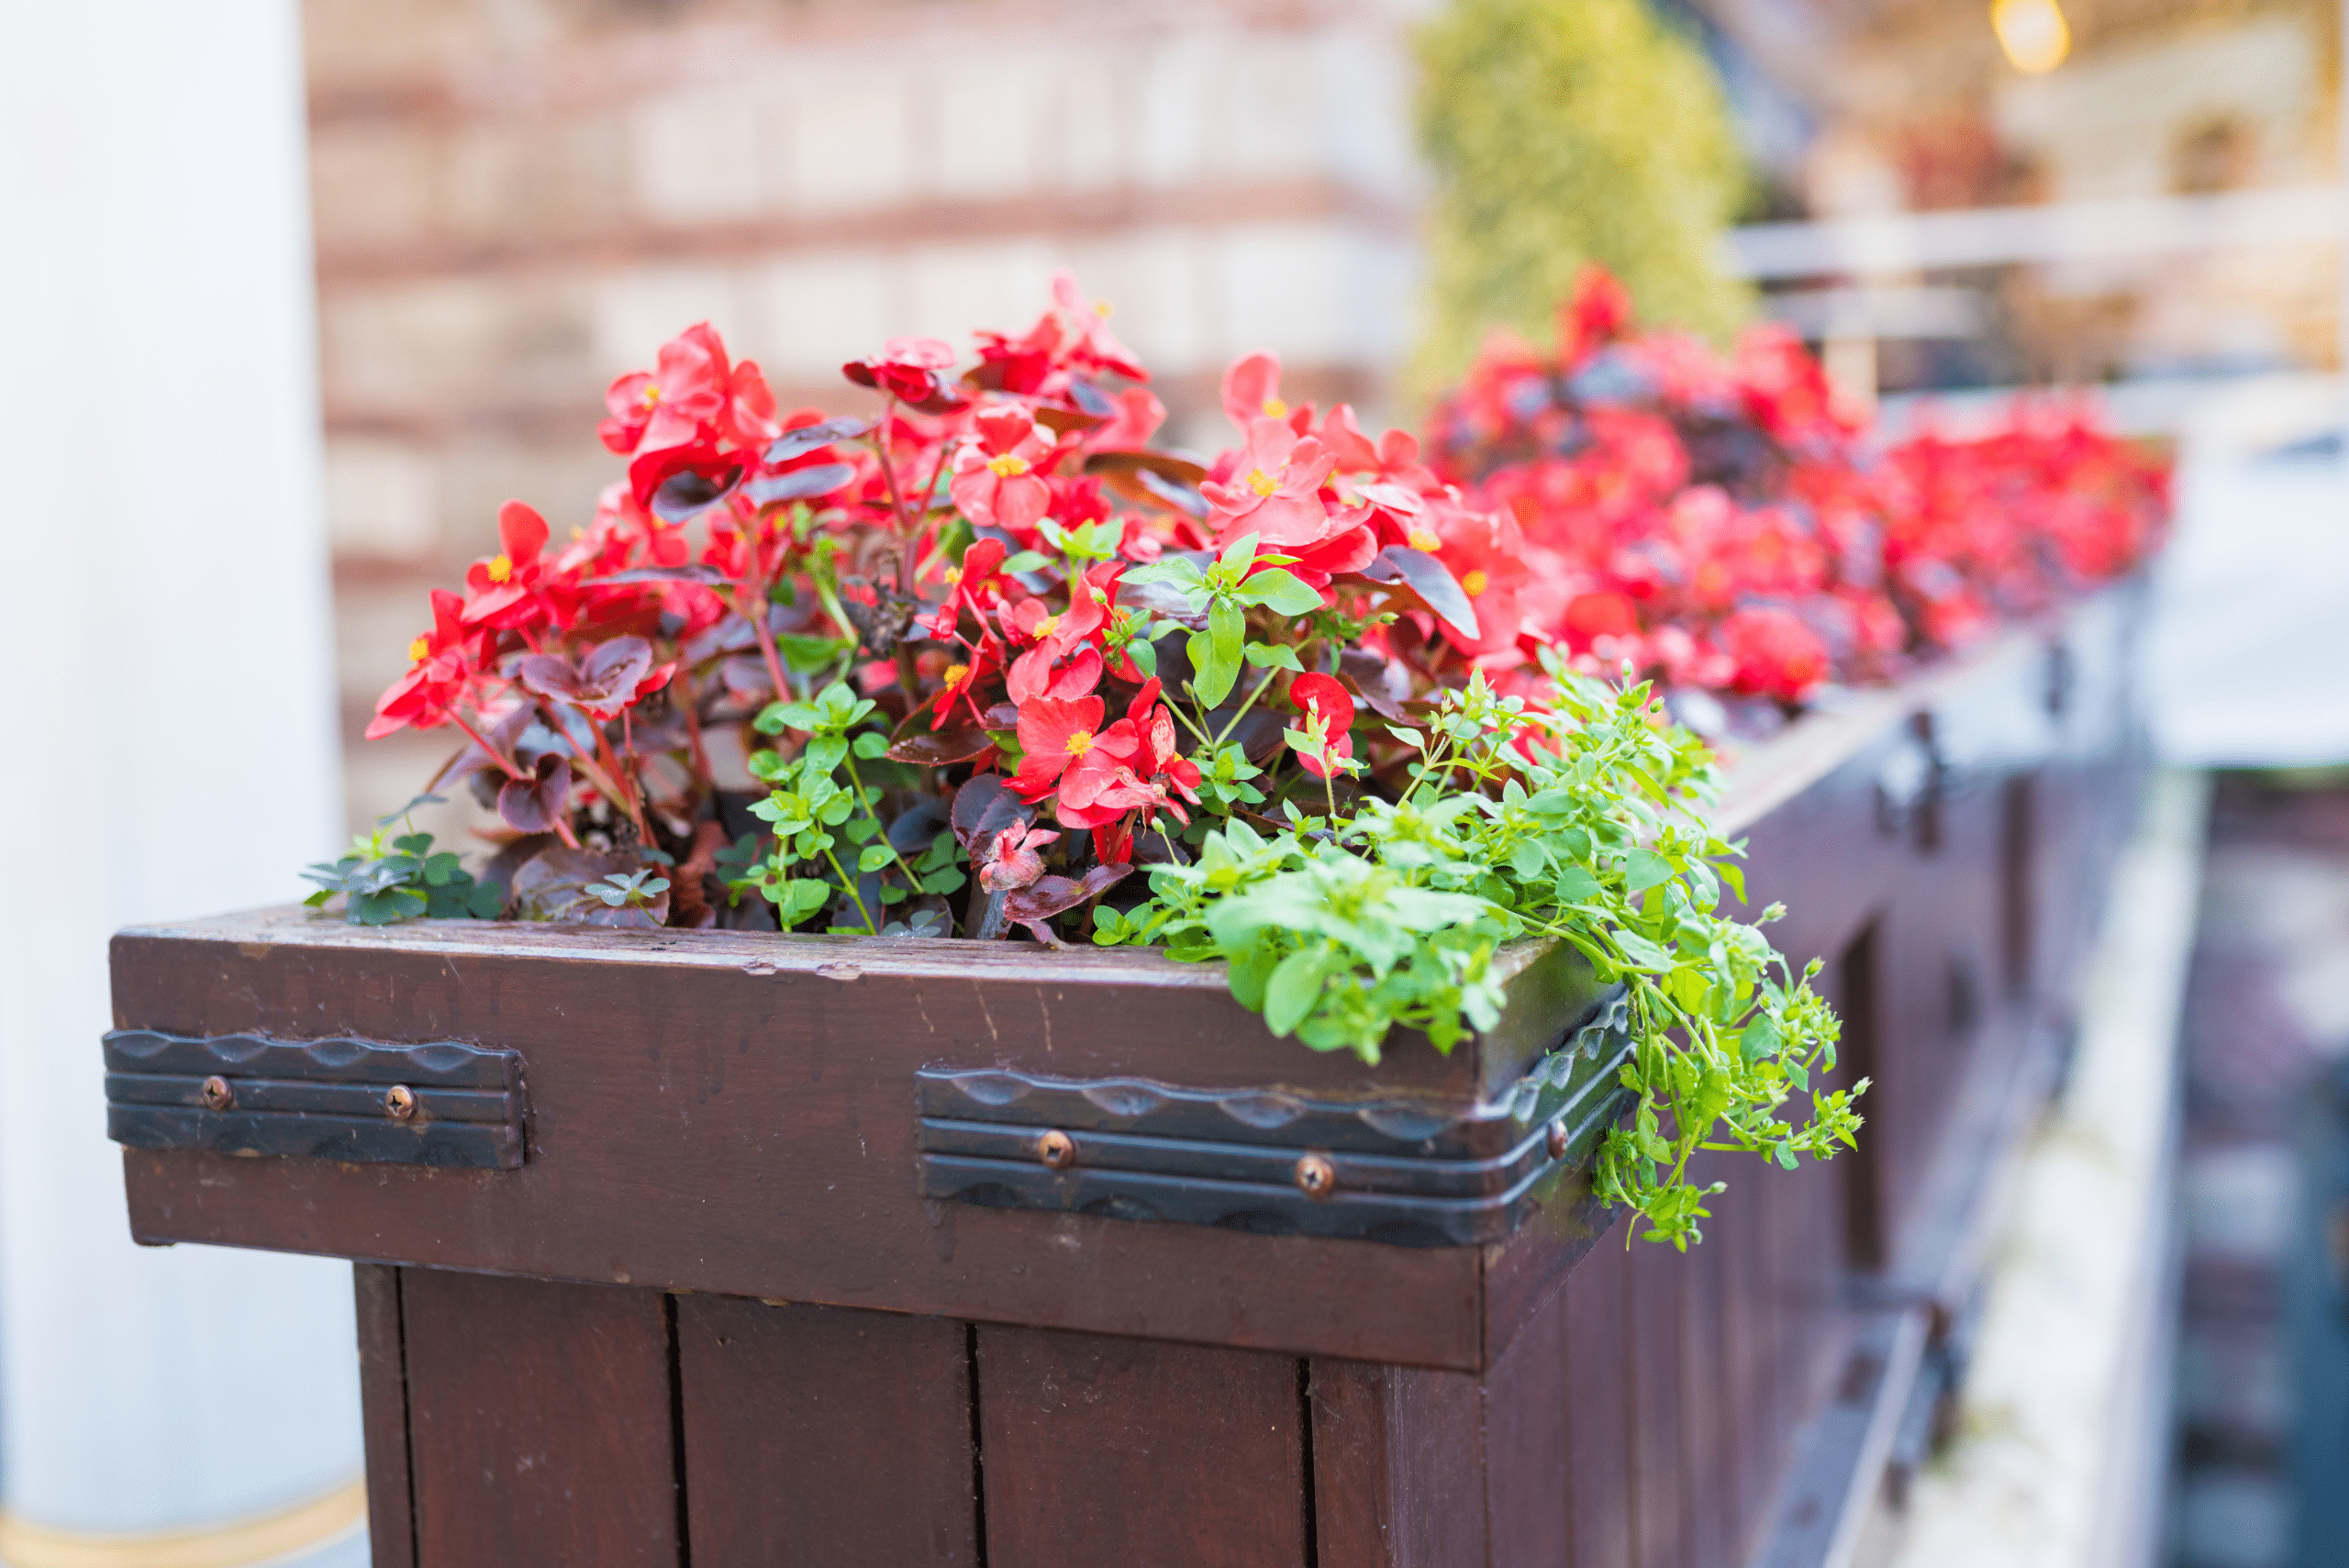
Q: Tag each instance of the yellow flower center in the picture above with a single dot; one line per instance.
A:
(500, 570)
(1080, 743)
(1422, 540)
(1010, 465)
(1474, 584)
(1275, 409)
(1044, 626)
(651, 394)
(1101, 308)
(1263, 484)
(418, 649)
(953, 576)
(955, 673)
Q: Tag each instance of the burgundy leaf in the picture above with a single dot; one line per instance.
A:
(686, 495)
(937, 749)
(536, 804)
(799, 484)
(808, 437)
(1054, 894)
(611, 669)
(1429, 579)
(549, 675)
(657, 574)
(983, 807)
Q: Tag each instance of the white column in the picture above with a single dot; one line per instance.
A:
(168, 730)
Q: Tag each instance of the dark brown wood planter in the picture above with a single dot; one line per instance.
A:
(723, 1249)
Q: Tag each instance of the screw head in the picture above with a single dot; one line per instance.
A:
(1316, 1177)
(399, 1102)
(1057, 1150)
(217, 1094)
(1556, 1140)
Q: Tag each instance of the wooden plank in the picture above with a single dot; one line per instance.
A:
(1400, 1457)
(1526, 1445)
(702, 1117)
(825, 1436)
(1099, 1449)
(1708, 1410)
(1597, 1329)
(383, 1416)
(1658, 1462)
(540, 1423)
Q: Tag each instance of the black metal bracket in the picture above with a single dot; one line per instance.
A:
(447, 1104)
(1410, 1172)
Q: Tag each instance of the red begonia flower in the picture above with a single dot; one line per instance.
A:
(1252, 390)
(1274, 488)
(1329, 710)
(442, 663)
(907, 369)
(996, 482)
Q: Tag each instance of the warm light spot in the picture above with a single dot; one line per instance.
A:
(1275, 409)
(1010, 465)
(501, 570)
(1422, 540)
(418, 649)
(1080, 743)
(2033, 34)
(1474, 584)
(578, 534)
(957, 674)
(1101, 308)
(1263, 484)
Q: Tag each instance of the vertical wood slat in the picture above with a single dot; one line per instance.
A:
(1527, 1445)
(382, 1414)
(1598, 1407)
(1139, 1452)
(825, 1436)
(1651, 1322)
(1399, 1459)
(539, 1420)
(1708, 1408)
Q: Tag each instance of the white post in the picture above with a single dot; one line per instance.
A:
(170, 750)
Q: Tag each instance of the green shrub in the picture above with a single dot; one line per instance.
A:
(1563, 132)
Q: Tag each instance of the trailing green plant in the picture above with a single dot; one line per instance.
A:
(1563, 133)
(1583, 821)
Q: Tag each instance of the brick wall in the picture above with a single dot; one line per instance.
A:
(518, 199)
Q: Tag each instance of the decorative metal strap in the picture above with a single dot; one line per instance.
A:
(1410, 1171)
(447, 1104)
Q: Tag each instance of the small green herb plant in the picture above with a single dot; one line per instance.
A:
(402, 879)
(1342, 925)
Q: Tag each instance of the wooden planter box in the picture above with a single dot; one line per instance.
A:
(706, 1247)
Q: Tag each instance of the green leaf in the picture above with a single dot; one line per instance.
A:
(1643, 869)
(871, 743)
(1295, 984)
(1272, 656)
(1027, 560)
(1573, 885)
(1226, 633)
(1281, 592)
(874, 857)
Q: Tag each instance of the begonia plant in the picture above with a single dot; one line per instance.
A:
(987, 664)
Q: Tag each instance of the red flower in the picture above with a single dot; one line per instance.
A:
(1777, 655)
(506, 586)
(1274, 490)
(1252, 390)
(1009, 861)
(1598, 313)
(442, 663)
(995, 481)
(1064, 745)
(907, 369)
(694, 395)
(1073, 336)
(1330, 715)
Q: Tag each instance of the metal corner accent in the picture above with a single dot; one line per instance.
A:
(447, 1104)
(1408, 1170)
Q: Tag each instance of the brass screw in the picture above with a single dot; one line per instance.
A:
(1556, 1141)
(1056, 1148)
(217, 1094)
(399, 1102)
(1316, 1176)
